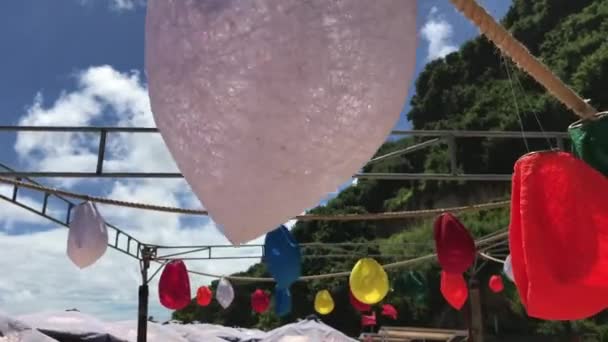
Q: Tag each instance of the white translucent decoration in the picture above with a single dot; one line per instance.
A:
(87, 236)
(269, 105)
(224, 294)
(508, 268)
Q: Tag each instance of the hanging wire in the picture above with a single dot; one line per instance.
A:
(521, 122)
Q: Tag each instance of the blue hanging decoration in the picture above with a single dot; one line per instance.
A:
(282, 257)
(282, 301)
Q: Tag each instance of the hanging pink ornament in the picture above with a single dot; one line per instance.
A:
(204, 296)
(389, 311)
(174, 286)
(495, 284)
(359, 306)
(454, 244)
(275, 97)
(454, 289)
(260, 301)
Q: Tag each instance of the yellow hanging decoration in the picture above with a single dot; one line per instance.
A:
(368, 281)
(324, 304)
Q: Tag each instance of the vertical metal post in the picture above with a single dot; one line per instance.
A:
(451, 140)
(476, 323)
(142, 312)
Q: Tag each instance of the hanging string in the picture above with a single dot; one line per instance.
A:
(521, 121)
(522, 57)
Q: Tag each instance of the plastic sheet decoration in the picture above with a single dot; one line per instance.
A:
(282, 257)
(87, 236)
(454, 289)
(204, 296)
(225, 76)
(361, 307)
(558, 236)
(260, 301)
(282, 301)
(454, 244)
(590, 142)
(174, 286)
(507, 269)
(324, 303)
(495, 284)
(389, 311)
(368, 281)
(224, 293)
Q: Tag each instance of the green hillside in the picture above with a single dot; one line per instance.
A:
(471, 89)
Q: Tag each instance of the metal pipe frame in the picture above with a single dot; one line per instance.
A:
(439, 136)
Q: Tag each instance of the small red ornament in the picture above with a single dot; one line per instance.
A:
(454, 244)
(260, 301)
(496, 284)
(203, 296)
(174, 286)
(389, 311)
(454, 289)
(359, 306)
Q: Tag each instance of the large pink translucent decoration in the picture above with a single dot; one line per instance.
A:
(87, 236)
(269, 105)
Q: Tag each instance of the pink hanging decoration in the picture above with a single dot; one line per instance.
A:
(389, 311)
(454, 244)
(174, 286)
(260, 301)
(275, 97)
(454, 289)
(204, 296)
(359, 306)
(495, 284)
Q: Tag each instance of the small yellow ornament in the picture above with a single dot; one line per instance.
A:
(324, 304)
(368, 281)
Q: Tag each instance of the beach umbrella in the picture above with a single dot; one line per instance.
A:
(87, 236)
(495, 283)
(263, 107)
(558, 236)
(224, 293)
(324, 303)
(389, 311)
(361, 307)
(454, 244)
(282, 301)
(454, 289)
(282, 257)
(174, 286)
(507, 269)
(368, 281)
(260, 301)
(204, 296)
(590, 142)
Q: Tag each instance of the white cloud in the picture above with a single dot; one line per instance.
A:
(438, 34)
(118, 5)
(41, 276)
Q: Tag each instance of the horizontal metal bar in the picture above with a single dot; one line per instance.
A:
(319, 256)
(91, 174)
(434, 176)
(406, 150)
(303, 245)
(420, 133)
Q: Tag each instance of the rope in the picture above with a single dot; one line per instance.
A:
(307, 217)
(522, 57)
(495, 236)
(491, 258)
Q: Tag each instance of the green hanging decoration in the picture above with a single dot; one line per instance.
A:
(590, 141)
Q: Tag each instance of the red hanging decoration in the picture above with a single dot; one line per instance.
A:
(454, 289)
(389, 311)
(454, 244)
(559, 236)
(203, 296)
(496, 284)
(174, 286)
(359, 306)
(260, 301)
(368, 320)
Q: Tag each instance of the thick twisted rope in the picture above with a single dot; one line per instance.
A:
(522, 57)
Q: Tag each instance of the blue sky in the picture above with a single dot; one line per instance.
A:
(80, 62)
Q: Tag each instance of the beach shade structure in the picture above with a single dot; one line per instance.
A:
(558, 236)
(174, 286)
(224, 293)
(495, 284)
(282, 301)
(507, 269)
(454, 289)
(454, 244)
(590, 141)
(368, 320)
(87, 236)
(323, 76)
(389, 311)
(361, 307)
(324, 303)
(260, 300)
(368, 281)
(282, 257)
(204, 296)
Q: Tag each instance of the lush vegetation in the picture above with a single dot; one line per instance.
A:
(473, 89)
